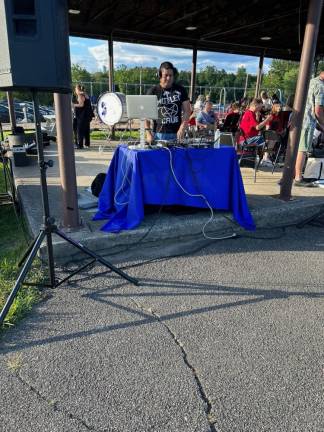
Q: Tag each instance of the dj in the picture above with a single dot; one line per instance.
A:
(173, 105)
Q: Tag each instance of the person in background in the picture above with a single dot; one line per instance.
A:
(266, 101)
(173, 106)
(192, 118)
(289, 103)
(275, 99)
(276, 122)
(313, 119)
(207, 117)
(199, 104)
(232, 118)
(251, 126)
(244, 104)
(83, 114)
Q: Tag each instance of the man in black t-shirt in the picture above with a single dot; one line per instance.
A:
(173, 105)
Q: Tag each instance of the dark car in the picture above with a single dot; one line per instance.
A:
(4, 114)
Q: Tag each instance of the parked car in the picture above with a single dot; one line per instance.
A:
(4, 114)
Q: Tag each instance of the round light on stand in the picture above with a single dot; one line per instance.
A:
(74, 11)
(191, 28)
(266, 38)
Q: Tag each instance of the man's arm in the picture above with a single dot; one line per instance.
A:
(261, 125)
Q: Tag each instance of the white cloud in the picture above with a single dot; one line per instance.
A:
(135, 55)
(85, 61)
(93, 55)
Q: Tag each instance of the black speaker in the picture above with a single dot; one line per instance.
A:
(34, 45)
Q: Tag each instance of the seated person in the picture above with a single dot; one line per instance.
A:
(207, 118)
(232, 119)
(192, 118)
(199, 104)
(276, 122)
(251, 126)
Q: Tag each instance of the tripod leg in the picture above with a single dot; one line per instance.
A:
(97, 257)
(50, 258)
(22, 276)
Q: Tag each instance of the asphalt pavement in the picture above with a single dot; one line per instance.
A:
(228, 337)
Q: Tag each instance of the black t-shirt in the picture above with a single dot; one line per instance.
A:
(169, 106)
(84, 113)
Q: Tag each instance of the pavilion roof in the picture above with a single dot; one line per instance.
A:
(222, 26)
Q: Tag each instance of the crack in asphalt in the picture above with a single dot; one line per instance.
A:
(202, 393)
(54, 404)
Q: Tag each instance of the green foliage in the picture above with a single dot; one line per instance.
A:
(101, 135)
(27, 296)
(282, 75)
(79, 74)
(12, 247)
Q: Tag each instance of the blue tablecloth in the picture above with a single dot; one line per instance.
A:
(139, 177)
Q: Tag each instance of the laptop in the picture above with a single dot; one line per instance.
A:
(142, 107)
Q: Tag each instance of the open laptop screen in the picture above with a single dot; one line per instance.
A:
(142, 107)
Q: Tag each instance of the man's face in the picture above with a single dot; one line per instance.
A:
(208, 106)
(167, 78)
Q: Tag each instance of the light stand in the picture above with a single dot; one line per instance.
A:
(142, 134)
(47, 229)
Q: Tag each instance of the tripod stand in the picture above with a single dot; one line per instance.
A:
(47, 229)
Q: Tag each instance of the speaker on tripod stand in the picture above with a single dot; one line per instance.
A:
(35, 56)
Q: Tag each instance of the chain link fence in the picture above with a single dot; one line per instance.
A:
(221, 96)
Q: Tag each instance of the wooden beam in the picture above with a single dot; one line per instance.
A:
(184, 17)
(103, 11)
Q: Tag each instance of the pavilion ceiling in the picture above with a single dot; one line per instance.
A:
(222, 26)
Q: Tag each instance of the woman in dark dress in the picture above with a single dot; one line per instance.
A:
(83, 114)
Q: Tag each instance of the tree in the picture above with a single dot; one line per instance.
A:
(79, 74)
(282, 75)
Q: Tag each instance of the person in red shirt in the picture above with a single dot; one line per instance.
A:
(251, 127)
(250, 124)
(276, 122)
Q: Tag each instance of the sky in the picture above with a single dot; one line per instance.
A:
(92, 54)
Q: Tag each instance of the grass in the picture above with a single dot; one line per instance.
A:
(97, 134)
(102, 135)
(8, 132)
(12, 245)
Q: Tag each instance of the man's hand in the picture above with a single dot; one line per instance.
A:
(149, 137)
(181, 131)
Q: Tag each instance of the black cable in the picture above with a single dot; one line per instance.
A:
(138, 242)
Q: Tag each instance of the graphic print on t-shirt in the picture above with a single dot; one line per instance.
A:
(169, 105)
(168, 108)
